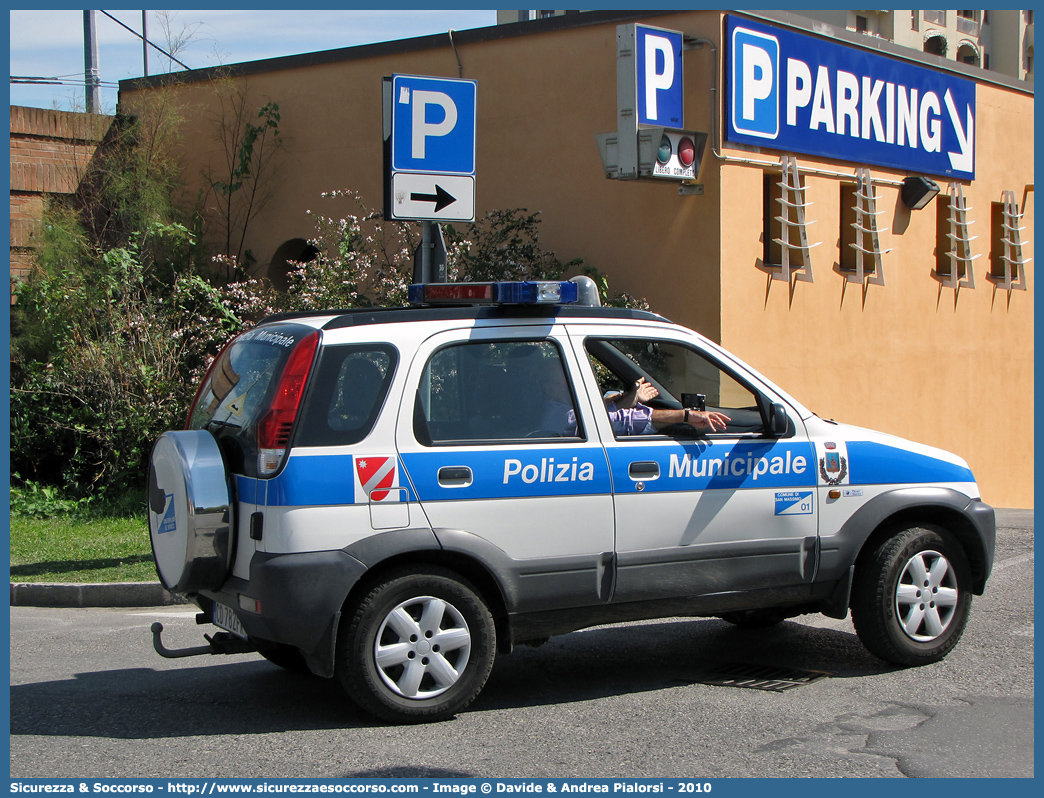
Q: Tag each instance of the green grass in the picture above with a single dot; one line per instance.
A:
(64, 549)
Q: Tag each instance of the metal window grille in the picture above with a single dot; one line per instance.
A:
(793, 225)
(867, 245)
(1013, 259)
(960, 255)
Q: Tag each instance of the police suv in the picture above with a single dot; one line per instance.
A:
(390, 497)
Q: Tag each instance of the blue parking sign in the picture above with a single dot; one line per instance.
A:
(802, 93)
(658, 66)
(755, 83)
(433, 125)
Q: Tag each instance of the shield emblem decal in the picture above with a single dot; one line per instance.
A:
(373, 475)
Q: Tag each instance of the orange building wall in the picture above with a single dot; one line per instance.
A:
(953, 370)
(950, 368)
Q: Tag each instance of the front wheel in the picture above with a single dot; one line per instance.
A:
(418, 646)
(911, 597)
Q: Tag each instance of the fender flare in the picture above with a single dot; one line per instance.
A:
(970, 520)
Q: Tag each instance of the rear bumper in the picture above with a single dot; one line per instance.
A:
(294, 599)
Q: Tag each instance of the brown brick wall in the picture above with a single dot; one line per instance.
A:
(50, 153)
(46, 123)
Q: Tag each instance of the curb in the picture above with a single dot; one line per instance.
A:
(112, 594)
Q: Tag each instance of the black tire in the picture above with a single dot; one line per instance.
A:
(436, 665)
(754, 619)
(288, 658)
(891, 618)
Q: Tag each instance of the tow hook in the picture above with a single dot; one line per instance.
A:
(220, 643)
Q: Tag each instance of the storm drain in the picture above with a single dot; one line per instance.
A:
(761, 677)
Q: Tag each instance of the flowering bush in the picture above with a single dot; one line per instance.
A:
(361, 261)
(108, 345)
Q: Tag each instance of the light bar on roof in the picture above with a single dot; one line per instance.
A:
(553, 292)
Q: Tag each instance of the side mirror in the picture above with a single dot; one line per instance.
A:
(778, 422)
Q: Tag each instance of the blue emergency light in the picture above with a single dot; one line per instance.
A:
(526, 292)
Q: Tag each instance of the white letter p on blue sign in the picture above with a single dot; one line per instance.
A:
(755, 83)
(422, 128)
(658, 73)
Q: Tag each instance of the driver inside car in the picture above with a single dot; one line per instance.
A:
(627, 413)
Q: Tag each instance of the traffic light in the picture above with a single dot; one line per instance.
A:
(664, 153)
(669, 153)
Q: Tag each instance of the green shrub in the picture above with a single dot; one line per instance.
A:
(110, 341)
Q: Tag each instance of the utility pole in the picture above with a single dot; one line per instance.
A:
(90, 58)
(145, 40)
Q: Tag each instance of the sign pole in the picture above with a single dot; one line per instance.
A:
(429, 259)
(426, 247)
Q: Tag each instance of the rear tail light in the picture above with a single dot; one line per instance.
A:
(275, 426)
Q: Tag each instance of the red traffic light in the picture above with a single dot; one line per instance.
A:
(686, 151)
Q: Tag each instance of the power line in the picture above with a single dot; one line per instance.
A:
(156, 47)
(60, 80)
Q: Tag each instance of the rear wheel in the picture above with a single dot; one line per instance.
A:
(911, 597)
(418, 646)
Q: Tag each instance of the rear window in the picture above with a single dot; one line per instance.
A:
(345, 394)
(237, 391)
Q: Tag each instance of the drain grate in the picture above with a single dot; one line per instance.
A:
(761, 677)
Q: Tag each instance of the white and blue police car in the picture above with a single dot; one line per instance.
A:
(391, 497)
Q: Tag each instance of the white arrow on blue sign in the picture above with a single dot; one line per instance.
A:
(433, 125)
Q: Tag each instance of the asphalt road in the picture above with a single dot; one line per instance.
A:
(90, 698)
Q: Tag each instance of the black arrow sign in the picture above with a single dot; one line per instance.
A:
(441, 198)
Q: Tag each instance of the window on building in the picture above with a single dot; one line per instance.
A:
(860, 258)
(915, 20)
(936, 45)
(997, 261)
(784, 226)
(968, 22)
(935, 17)
(967, 54)
(953, 241)
(847, 256)
(862, 24)
(1007, 260)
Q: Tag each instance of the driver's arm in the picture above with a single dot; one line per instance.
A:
(711, 421)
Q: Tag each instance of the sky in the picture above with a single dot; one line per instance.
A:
(50, 43)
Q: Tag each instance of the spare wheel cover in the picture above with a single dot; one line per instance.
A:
(190, 512)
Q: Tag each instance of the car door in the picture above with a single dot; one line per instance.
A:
(493, 437)
(700, 514)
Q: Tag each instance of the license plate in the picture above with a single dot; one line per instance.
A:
(227, 620)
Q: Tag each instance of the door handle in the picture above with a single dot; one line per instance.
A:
(644, 469)
(455, 476)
